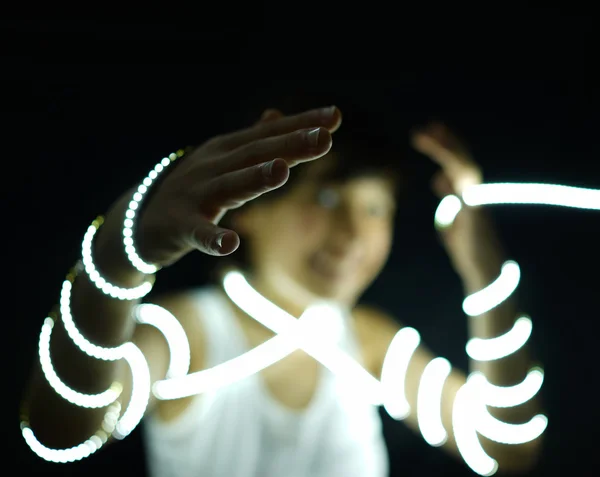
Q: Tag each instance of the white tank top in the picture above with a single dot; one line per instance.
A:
(241, 431)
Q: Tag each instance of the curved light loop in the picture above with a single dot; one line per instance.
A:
(502, 346)
(496, 292)
(99, 400)
(470, 415)
(171, 329)
(508, 396)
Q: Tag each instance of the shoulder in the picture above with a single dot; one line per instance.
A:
(376, 329)
(186, 307)
(375, 320)
(182, 304)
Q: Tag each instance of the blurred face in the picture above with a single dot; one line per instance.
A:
(321, 239)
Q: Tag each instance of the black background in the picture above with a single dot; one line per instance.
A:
(89, 108)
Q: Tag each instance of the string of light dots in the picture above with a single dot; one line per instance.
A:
(470, 414)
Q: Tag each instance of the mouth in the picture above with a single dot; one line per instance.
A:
(330, 267)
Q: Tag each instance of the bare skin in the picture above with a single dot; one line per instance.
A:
(182, 215)
(352, 222)
(320, 240)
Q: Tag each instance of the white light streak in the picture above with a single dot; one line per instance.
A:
(447, 210)
(131, 212)
(532, 193)
(170, 327)
(465, 433)
(470, 414)
(508, 396)
(393, 372)
(496, 348)
(277, 320)
(98, 280)
(98, 352)
(495, 293)
(226, 373)
(140, 391)
(81, 451)
(292, 334)
(102, 399)
(429, 401)
(515, 193)
(505, 433)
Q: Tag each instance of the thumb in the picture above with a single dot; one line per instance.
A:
(214, 240)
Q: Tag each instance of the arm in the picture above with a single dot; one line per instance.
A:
(181, 215)
(379, 330)
(104, 321)
(477, 257)
(474, 250)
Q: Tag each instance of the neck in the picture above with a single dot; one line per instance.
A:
(293, 301)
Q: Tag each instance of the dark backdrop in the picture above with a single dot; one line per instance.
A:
(84, 131)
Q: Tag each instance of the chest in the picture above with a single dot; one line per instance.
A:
(294, 380)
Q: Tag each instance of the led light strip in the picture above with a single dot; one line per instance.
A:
(130, 352)
(279, 321)
(140, 392)
(111, 425)
(396, 361)
(100, 282)
(510, 193)
(98, 352)
(224, 374)
(393, 372)
(392, 385)
(134, 204)
(102, 399)
(532, 193)
(291, 335)
(479, 392)
(505, 433)
(508, 396)
(429, 401)
(496, 348)
(465, 432)
(495, 293)
(169, 326)
(81, 451)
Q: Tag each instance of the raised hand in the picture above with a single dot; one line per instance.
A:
(224, 173)
(471, 241)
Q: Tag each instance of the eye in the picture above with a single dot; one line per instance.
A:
(328, 198)
(379, 209)
(376, 210)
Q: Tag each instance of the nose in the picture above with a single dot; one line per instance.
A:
(349, 222)
(348, 235)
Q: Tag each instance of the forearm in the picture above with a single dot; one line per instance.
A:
(103, 321)
(513, 368)
(496, 322)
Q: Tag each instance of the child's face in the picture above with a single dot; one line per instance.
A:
(328, 239)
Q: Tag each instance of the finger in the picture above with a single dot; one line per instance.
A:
(295, 147)
(234, 189)
(329, 118)
(270, 115)
(212, 239)
(431, 147)
(442, 185)
(440, 144)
